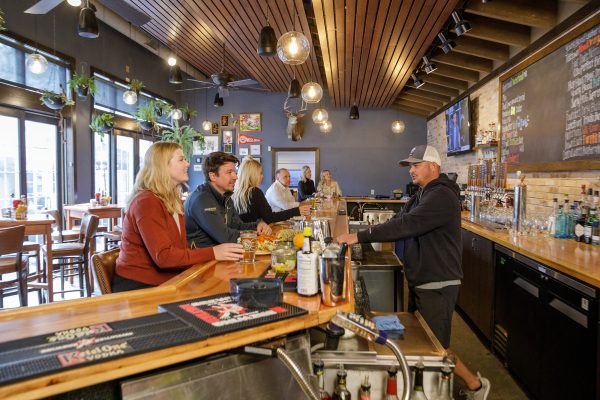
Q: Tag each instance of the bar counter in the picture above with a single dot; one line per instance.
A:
(578, 260)
(200, 280)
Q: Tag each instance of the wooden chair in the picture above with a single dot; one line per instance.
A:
(72, 259)
(58, 234)
(104, 264)
(11, 261)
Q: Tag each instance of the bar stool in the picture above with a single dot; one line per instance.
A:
(104, 264)
(11, 261)
(72, 258)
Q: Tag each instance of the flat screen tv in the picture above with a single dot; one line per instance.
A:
(458, 131)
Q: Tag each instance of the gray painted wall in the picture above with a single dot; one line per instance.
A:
(362, 154)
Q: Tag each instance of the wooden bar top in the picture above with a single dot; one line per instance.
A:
(578, 260)
(361, 199)
(200, 280)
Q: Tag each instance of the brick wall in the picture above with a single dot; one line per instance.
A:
(542, 187)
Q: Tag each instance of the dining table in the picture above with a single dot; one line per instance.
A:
(76, 212)
(37, 224)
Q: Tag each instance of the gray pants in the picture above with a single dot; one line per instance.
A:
(436, 306)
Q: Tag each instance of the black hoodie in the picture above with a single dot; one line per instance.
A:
(429, 227)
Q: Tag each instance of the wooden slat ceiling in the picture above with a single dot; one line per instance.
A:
(362, 51)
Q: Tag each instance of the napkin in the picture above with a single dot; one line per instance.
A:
(388, 323)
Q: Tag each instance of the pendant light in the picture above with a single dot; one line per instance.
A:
(176, 114)
(35, 62)
(175, 77)
(293, 47)
(354, 112)
(319, 116)
(88, 24)
(267, 41)
(325, 127)
(312, 92)
(130, 97)
(398, 126)
(294, 88)
(74, 3)
(218, 100)
(206, 124)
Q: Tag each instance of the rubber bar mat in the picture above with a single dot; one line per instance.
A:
(59, 351)
(290, 283)
(218, 314)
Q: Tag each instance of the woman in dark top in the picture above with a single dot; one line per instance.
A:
(250, 201)
(306, 186)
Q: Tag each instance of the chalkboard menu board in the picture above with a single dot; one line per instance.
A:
(551, 107)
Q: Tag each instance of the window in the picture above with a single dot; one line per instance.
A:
(41, 165)
(125, 168)
(9, 160)
(293, 160)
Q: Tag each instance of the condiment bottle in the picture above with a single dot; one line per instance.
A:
(364, 393)
(341, 392)
(308, 274)
(391, 392)
(319, 371)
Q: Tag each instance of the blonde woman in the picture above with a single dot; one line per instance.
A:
(327, 186)
(154, 247)
(306, 186)
(250, 201)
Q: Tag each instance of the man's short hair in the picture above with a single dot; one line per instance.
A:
(279, 170)
(214, 160)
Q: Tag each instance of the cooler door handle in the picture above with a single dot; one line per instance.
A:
(528, 287)
(569, 312)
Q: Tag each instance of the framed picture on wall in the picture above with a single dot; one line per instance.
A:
(250, 122)
(224, 120)
(228, 148)
(211, 144)
(214, 129)
(196, 149)
(255, 149)
(243, 151)
(227, 136)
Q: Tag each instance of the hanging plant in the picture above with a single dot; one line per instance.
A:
(82, 85)
(102, 124)
(146, 116)
(55, 101)
(2, 27)
(162, 108)
(185, 136)
(187, 112)
(136, 85)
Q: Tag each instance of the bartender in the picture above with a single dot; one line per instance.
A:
(428, 240)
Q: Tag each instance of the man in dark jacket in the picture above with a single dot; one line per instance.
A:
(428, 240)
(210, 217)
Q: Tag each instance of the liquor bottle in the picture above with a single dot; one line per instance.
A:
(319, 371)
(560, 222)
(364, 393)
(596, 199)
(552, 218)
(572, 218)
(341, 392)
(391, 392)
(579, 228)
(444, 388)
(418, 393)
(308, 274)
(589, 225)
(596, 232)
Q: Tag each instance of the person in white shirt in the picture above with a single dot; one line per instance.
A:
(279, 195)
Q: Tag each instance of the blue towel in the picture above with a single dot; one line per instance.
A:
(388, 323)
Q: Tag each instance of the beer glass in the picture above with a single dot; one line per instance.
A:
(248, 240)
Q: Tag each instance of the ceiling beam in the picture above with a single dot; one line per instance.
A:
(445, 81)
(482, 48)
(411, 110)
(498, 31)
(422, 100)
(432, 87)
(427, 95)
(415, 105)
(457, 73)
(541, 14)
(466, 61)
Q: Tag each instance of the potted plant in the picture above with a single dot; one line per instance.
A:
(2, 21)
(82, 85)
(187, 112)
(136, 85)
(55, 101)
(162, 108)
(185, 136)
(102, 123)
(146, 116)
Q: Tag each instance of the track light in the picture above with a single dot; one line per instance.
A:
(88, 24)
(429, 66)
(218, 101)
(461, 26)
(354, 112)
(418, 83)
(445, 44)
(294, 89)
(175, 75)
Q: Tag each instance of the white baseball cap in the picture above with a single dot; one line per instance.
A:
(422, 153)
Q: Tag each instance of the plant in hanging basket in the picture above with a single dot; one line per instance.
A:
(2, 20)
(162, 108)
(146, 116)
(102, 123)
(82, 85)
(55, 101)
(136, 85)
(187, 112)
(185, 136)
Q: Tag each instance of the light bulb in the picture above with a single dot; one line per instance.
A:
(312, 92)
(130, 97)
(207, 125)
(325, 127)
(398, 126)
(319, 116)
(74, 3)
(176, 114)
(293, 47)
(171, 61)
(36, 63)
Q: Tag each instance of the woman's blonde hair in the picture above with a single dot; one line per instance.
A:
(322, 180)
(303, 177)
(154, 176)
(248, 177)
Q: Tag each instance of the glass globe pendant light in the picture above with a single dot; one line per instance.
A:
(176, 114)
(206, 125)
(293, 47)
(325, 127)
(36, 63)
(312, 92)
(319, 116)
(398, 126)
(130, 97)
